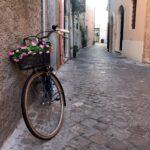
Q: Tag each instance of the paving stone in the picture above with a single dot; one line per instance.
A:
(101, 126)
(120, 123)
(89, 122)
(69, 148)
(30, 148)
(139, 142)
(115, 144)
(108, 108)
(79, 129)
(98, 139)
(118, 133)
(90, 131)
(79, 142)
(106, 120)
(137, 130)
(94, 146)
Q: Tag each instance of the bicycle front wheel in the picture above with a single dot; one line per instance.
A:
(42, 108)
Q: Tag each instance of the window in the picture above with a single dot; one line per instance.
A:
(134, 5)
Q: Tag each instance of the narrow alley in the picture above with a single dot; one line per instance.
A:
(108, 106)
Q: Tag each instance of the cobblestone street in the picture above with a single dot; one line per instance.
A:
(108, 106)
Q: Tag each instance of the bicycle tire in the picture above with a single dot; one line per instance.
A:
(31, 82)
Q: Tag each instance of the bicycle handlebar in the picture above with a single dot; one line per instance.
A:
(63, 30)
(55, 29)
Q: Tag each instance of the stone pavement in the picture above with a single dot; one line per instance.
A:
(108, 106)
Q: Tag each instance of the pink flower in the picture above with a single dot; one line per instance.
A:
(1, 54)
(10, 53)
(33, 43)
(43, 42)
(42, 46)
(16, 60)
(47, 46)
(24, 47)
(40, 52)
(30, 52)
(17, 51)
(23, 55)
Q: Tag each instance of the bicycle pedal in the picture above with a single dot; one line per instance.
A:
(48, 102)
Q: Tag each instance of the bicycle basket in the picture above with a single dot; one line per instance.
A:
(32, 55)
(34, 61)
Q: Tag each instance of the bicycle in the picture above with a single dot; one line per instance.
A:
(43, 97)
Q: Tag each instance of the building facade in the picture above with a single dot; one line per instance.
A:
(18, 19)
(128, 28)
(146, 53)
(90, 24)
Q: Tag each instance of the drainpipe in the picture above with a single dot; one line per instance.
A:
(60, 22)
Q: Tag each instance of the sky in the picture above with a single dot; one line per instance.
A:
(101, 14)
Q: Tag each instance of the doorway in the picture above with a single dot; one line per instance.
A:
(121, 12)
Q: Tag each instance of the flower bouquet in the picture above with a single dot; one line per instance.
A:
(33, 53)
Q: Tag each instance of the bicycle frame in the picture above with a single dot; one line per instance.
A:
(47, 81)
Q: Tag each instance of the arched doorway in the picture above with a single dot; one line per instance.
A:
(121, 13)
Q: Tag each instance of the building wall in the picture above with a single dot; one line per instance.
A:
(90, 24)
(146, 54)
(71, 31)
(67, 24)
(52, 18)
(18, 19)
(62, 47)
(77, 32)
(60, 38)
(55, 16)
(133, 43)
(133, 40)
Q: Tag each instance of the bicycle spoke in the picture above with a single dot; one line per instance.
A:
(44, 108)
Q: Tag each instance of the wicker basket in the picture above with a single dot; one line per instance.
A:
(34, 61)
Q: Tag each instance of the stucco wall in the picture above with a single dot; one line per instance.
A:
(133, 40)
(136, 34)
(133, 49)
(18, 19)
(90, 24)
(133, 43)
(146, 54)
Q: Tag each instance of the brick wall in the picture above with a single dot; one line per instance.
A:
(18, 19)
(146, 54)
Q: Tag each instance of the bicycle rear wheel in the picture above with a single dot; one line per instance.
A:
(43, 109)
